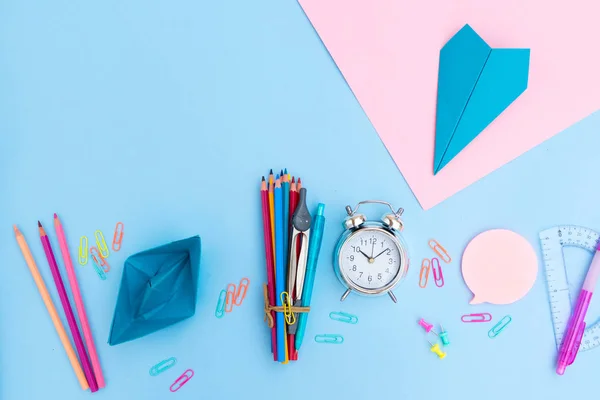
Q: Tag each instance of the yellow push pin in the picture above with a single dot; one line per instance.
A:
(435, 348)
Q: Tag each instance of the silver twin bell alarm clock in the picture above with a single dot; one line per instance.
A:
(371, 257)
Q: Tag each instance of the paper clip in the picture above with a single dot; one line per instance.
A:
(439, 276)
(101, 243)
(163, 366)
(499, 327)
(440, 251)
(329, 339)
(98, 267)
(286, 302)
(97, 256)
(242, 290)
(182, 380)
(481, 317)
(118, 236)
(425, 268)
(83, 250)
(230, 298)
(220, 311)
(343, 317)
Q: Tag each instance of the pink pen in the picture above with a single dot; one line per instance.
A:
(576, 326)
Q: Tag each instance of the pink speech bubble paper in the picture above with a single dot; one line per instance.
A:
(499, 267)
(388, 52)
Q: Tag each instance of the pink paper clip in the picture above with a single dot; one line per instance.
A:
(424, 273)
(95, 253)
(481, 317)
(439, 276)
(182, 380)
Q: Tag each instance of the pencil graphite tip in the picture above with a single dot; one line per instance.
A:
(281, 173)
(263, 179)
(15, 229)
(55, 216)
(293, 179)
(271, 171)
(285, 171)
(39, 224)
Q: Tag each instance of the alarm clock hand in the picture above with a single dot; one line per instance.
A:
(381, 253)
(363, 253)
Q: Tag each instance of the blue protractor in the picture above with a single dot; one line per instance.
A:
(553, 241)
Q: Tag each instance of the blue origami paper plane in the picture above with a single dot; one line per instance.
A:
(158, 288)
(476, 83)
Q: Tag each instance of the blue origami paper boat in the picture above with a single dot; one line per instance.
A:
(476, 83)
(158, 289)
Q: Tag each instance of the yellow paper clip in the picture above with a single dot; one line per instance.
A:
(424, 274)
(118, 237)
(95, 253)
(230, 298)
(286, 301)
(101, 243)
(242, 290)
(440, 251)
(83, 250)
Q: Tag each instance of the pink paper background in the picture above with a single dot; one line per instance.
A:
(388, 51)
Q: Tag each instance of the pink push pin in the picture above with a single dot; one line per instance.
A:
(427, 326)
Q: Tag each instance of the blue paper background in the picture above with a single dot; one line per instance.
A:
(164, 115)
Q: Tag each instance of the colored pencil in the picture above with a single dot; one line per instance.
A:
(60, 329)
(299, 185)
(62, 293)
(280, 268)
(269, 260)
(79, 306)
(272, 212)
(285, 190)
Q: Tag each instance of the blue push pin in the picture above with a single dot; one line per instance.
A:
(444, 336)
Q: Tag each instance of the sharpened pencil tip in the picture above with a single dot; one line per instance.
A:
(39, 224)
(263, 179)
(271, 171)
(293, 179)
(55, 216)
(15, 228)
(285, 171)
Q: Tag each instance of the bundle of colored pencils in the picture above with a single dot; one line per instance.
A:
(286, 228)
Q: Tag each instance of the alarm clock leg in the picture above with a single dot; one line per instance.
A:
(392, 296)
(346, 293)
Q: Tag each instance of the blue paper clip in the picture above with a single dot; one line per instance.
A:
(343, 317)
(220, 311)
(499, 327)
(98, 268)
(163, 366)
(329, 339)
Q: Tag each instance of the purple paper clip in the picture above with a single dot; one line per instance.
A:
(182, 380)
(481, 317)
(439, 276)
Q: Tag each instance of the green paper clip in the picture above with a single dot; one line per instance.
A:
(343, 317)
(220, 311)
(329, 339)
(499, 327)
(163, 366)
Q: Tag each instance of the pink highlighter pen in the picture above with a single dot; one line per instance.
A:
(576, 326)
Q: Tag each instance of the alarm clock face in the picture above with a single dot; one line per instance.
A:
(371, 260)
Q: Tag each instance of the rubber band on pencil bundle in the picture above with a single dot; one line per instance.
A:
(292, 239)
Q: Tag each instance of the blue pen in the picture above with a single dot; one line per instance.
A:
(316, 238)
(279, 269)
